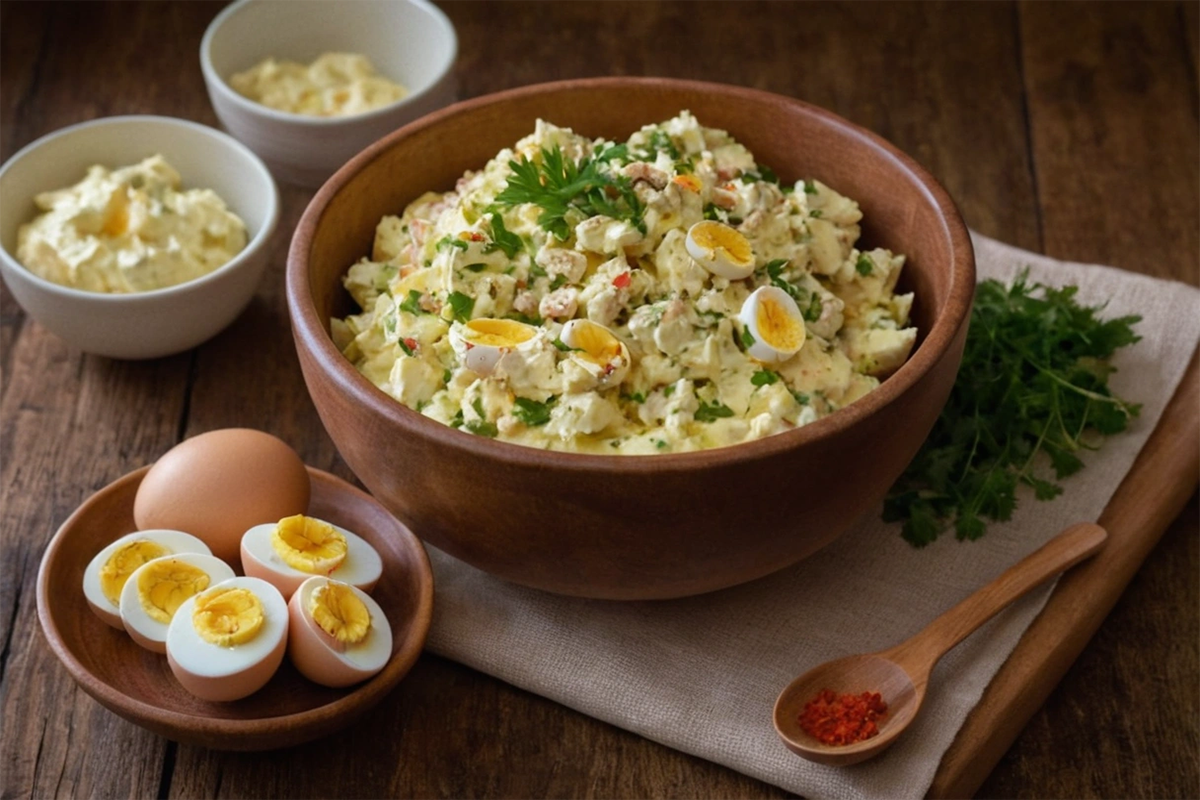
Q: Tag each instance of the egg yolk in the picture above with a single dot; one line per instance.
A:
(597, 344)
(308, 544)
(718, 238)
(689, 182)
(340, 613)
(228, 616)
(498, 332)
(777, 327)
(164, 585)
(122, 563)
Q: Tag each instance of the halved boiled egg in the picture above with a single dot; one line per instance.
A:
(338, 635)
(597, 349)
(226, 642)
(294, 549)
(720, 249)
(157, 588)
(774, 323)
(106, 574)
(481, 342)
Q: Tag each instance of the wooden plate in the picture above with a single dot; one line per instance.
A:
(138, 684)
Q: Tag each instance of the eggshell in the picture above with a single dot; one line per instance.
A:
(171, 541)
(361, 568)
(321, 658)
(218, 484)
(220, 674)
(144, 629)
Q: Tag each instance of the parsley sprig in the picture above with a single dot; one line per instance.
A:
(1031, 393)
(558, 185)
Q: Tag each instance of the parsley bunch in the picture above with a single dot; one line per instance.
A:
(558, 185)
(1032, 392)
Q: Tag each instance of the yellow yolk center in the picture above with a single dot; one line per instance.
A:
(164, 585)
(717, 238)
(309, 545)
(777, 327)
(498, 332)
(340, 613)
(228, 616)
(123, 562)
(689, 182)
(597, 344)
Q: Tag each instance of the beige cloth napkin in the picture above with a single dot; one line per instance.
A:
(701, 674)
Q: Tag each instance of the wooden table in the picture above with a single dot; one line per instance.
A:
(1067, 129)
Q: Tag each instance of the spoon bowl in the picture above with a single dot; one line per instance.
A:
(850, 675)
(901, 673)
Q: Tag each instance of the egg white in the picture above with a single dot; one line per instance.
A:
(321, 658)
(144, 629)
(361, 568)
(762, 349)
(172, 541)
(216, 673)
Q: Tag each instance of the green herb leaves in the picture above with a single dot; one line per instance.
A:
(531, 412)
(502, 238)
(558, 185)
(1031, 393)
(711, 411)
(461, 305)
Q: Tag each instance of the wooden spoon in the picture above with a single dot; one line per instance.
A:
(901, 673)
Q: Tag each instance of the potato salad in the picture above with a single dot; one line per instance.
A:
(664, 294)
(334, 85)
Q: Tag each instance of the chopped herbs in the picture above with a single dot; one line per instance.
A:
(810, 187)
(815, 308)
(1031, 393)
(816, 213)
(775, 273)
(476, 267)
(450, 241)
(558, 282)
(668, 390)
(764, 377)
(481, 426)
(528, 320)
(412, 303)
(563, 346)
(461, 305)
(864, 265)
(503, 239)
(800, 397)
(636, 397)
(748, 339)
(406, 347)
(558, 185)
(763, 173)
(531, 412)
(446, 376)
(709, 412)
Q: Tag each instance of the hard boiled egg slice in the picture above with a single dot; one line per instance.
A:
(338, 635)
(157, 588)
(597, 349)
(106, 574)
(481, 342)
(720, 249)
(289, 552)
(774, 323)
(226, 642)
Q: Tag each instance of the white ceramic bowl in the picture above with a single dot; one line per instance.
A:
(143, 324)
(409, 41)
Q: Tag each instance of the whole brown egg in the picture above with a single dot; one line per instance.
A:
(218, 485)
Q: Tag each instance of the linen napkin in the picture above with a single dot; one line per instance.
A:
(701, 674)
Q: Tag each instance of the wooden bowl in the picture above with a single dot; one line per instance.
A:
(633, 527)
(138, 684)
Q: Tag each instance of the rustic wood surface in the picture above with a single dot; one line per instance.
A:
(1066, 128)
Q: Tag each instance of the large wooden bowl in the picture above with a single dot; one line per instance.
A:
(633, 527)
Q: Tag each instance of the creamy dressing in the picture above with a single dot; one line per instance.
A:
(129, 230)
(334, 85)
(675, 374)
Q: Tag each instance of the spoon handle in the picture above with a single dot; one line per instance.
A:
(922, 651)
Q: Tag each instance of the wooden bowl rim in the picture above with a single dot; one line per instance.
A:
(256, 733)
(310, 334)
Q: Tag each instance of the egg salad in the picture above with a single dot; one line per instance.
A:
(129, 230)
(335, 85)
(664, 294)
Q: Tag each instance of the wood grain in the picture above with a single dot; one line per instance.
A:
(990, 97)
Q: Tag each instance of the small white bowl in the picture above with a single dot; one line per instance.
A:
(162, 321)
(409, 41)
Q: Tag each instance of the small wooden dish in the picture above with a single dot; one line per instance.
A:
(138, 685)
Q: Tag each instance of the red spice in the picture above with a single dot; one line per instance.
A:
(622, 280)
(834, 719)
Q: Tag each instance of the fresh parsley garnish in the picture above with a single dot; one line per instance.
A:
(412, 303)
(1031, 393)
(764, 377)
(450, 241)
(748, 339)
(461, 305)
(481, 426)
(558, 282)
(531, 412)
(810, 187)
(864, 265)
(775, 273)
(502, 238)
(763, 173)
(709, 412)
(812, 312)
(558, 185)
